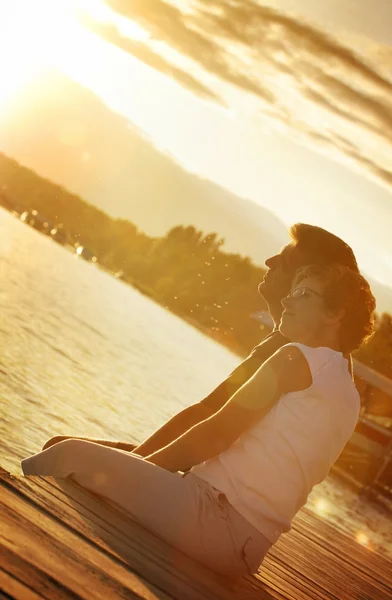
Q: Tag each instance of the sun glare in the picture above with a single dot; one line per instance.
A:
(43, 34)
(101, 13)
(322, 507)
(28, 32)
(362, 538)
(21, 42)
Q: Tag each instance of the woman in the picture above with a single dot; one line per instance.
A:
(250, 467)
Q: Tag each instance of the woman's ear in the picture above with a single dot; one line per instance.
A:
(335, 315)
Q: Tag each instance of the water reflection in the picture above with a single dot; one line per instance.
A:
(78, 352)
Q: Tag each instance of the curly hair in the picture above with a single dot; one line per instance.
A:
(347, 289)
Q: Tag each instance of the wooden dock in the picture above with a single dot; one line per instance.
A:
(58, 541)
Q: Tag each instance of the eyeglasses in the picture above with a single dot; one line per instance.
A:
(302, 291)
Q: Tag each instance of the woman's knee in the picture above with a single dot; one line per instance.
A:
(59, 460)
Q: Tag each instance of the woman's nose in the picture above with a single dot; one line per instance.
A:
(285, 301)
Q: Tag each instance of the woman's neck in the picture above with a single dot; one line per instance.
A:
(323, 341)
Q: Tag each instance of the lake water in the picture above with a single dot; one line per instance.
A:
(84, 354)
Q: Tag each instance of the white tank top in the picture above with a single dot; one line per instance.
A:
(269, 471)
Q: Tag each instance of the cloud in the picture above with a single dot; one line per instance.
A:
(269, 55)
(144, 53)
(168, 24)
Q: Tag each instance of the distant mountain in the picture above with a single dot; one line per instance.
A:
(67, 134)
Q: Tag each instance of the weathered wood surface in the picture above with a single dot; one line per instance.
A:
(58, 541)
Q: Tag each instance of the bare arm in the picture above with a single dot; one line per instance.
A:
(174, 428)
(170, 431)
(201, 411)
(286, 371)
(187, 418)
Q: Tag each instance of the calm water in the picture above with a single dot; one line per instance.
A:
(84, 354)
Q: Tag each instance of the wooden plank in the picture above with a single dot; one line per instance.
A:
(276, 575)
(299, 587)
(16, 589)
(313, 562)
(123, 539)
(322, 573)
(290, 575)
(59, 554)
(330, 558)
(342, 546)
(73, 506)
(291, 590)
(33, 578)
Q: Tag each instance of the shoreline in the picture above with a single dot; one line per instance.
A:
(227, 343)
(149, 293)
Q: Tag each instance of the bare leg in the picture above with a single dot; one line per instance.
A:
(110, 443)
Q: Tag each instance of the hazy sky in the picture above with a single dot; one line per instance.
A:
(318, 153)
(372, 18)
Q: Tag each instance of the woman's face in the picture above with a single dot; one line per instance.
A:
(305, 317)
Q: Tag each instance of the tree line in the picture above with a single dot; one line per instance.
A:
(187, 271)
